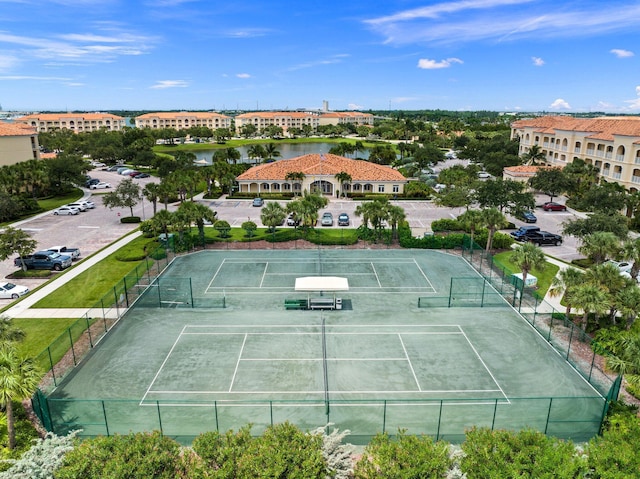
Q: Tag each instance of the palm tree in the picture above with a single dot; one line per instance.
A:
(271, 151)
(607, 277)
(631, 251)
(197, 213)
(151, 192)
(162, 220)
(19, 379)
(599, 246)
(343, 178)
(534, 155)
(591, 299)
(233, 155)
(272, 215)
(295, 176)
(471, 220)
(628, 301)
(396, 215)
(527, 257)
(625, 356)
(565, 283)
(256, 151)
(493, 219)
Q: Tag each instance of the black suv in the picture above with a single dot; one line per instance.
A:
(544, 237)
(521, 233)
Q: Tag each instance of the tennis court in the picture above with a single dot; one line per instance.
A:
(179, 362)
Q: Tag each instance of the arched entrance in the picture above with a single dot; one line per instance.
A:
(323, 186)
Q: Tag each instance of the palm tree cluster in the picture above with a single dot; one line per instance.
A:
(379, 212)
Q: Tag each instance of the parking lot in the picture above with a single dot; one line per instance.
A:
(94, 229)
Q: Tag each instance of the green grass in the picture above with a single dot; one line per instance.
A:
(544, 276)
(40, 333)
(89, 287)
(52, 203)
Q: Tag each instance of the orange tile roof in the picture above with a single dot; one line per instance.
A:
(16, 129)
(277, 114)
(604, 128)
(525, 170)
(327, 164)
(70, 116)
(48, 156)
(182, 114)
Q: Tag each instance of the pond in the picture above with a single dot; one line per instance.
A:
(287, 150)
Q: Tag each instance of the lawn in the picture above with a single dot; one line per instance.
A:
(545, 276)
(40, 333)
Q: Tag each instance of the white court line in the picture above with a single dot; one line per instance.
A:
(346, 393)
(215, 275)
(162, 365)
(409, 361)
(425, 326)
(374, 272)
(485, 366)
(233, 378)
(317, 403)
(424, 275)
(266, 266)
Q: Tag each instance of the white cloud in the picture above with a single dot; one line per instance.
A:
(7, 62)
(560, 104)
(243, 75)
(621, 53)
(427, 64)
(537, 61)
(354, 106)
(162, 84)
(466, 21)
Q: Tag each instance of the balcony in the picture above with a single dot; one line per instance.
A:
(600, 153)
(545, 144)
(576, 150)
(590, 151)
(635, 179)
(619, 157)
(637, 160)
(608, 155)
(617, 176)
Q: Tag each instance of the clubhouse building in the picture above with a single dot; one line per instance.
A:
(77, 122)
(611, 144)
(317, 172)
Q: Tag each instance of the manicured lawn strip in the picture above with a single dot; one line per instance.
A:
(57, 201)
(544, 277)
(40, 333)
(89, 287)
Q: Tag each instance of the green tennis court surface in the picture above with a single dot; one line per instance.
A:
(382, 363)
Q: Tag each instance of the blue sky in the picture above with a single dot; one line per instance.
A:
(506, 55)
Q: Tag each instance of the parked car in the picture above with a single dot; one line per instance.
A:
(553, 206)
(88, 203)
(623, 266)
(527, 217)
(98, 164)
(292, 220)
(125, 171)
(134, 173)
(483, 175)
(113, 168)
(343, 219)
(66, 210)
(327, 219)
(99, 186)
(142, 175)
(64, 250)
(258, 202)
(540, 238)
(80, 205)
(12, 291)
(44, 260)
(523, 231)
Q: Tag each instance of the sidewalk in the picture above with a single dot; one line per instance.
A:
(24, 308)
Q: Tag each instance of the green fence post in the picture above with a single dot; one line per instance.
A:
(106, 423)
(53, 371)
(89, 331)
(191, 293)
(215, 411)
(569, 345)
(495, 413)
(159, 417)
(550, 328)
(546, 426)
(271, 412)
(439, 420)
(384, 416)
(115, 295)
(73, 351)
(450, 290)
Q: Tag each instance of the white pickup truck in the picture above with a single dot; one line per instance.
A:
(73, 252)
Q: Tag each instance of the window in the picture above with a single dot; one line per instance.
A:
(396, 189)
(380, 188)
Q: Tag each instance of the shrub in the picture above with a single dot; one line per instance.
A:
(130, 219)
(446, 224)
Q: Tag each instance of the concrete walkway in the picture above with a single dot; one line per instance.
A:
(24, 308)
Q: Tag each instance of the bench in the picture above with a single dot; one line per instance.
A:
(322, 303)
(295, 304)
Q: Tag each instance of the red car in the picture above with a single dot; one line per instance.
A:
(551, 206)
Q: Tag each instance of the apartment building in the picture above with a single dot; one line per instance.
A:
(78, 122)
(282, 119)
(611, 144)
(346, 117)
(18, 142)
(183, 120)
